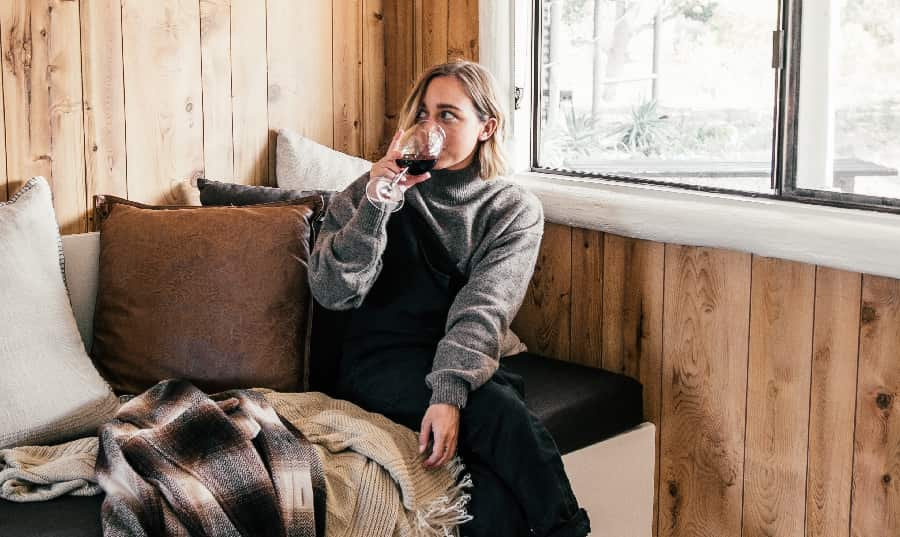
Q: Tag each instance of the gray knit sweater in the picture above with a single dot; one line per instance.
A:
(493, 231)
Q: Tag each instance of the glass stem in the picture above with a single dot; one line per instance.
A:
(399, 177)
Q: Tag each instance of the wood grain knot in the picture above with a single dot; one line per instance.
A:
(189, 106)
(883, 400)
(378, 15)
(886, 479)
(867, 313)
(673, 489)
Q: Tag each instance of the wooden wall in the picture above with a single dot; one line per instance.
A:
(131, 97)
(774, 385)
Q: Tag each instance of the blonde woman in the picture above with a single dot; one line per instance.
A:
(430, 292)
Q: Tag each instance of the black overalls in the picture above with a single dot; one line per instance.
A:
(388, 348)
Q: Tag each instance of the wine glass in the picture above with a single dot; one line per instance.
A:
(419, 147)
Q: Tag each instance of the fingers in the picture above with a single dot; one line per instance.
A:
(423, 434)
(449, 452)
(437, 451)
(385, 168)
(412, 180)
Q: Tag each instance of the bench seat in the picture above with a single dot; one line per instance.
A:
(580, 406)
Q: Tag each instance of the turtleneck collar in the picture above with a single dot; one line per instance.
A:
(457, 185)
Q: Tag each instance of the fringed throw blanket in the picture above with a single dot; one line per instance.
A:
(375, 481)
(176, 462)
(373, 475)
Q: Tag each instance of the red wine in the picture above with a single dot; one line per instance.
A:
(416, 166)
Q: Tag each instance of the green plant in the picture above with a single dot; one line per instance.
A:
(648, 132)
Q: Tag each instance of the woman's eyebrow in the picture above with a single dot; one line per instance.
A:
(450, 106)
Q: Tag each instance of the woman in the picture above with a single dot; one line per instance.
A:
(431, 291)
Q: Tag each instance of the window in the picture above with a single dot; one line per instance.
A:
(724, 95)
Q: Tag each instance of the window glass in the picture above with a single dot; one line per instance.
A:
(679, 91)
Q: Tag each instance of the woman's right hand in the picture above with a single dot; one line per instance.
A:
(387, 166)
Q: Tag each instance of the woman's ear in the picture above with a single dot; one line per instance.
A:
(487, 130)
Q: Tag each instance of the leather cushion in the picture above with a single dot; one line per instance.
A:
(68, 516)
(579, 405)
(214, 295)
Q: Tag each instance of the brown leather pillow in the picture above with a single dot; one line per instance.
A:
(215, 295)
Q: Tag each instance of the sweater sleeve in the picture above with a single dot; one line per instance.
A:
(346, 259)
(468, 354)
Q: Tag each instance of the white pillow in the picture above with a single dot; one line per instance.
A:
(49, 389)
(302, 164)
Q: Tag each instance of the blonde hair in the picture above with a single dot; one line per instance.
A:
(480, 87)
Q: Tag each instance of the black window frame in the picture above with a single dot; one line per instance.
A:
(785, 131)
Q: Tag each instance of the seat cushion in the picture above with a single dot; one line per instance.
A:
(68, 516)
(579, 405)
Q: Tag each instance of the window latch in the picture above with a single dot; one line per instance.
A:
(517, 97)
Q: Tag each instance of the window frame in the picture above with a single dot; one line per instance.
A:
(785, 124)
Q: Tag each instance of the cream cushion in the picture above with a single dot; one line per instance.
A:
(49, 389)
(303, 164)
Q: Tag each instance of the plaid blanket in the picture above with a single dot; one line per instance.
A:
(176, 462)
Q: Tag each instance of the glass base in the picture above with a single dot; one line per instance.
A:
(384, 194)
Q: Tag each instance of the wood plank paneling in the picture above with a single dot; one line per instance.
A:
(66, 116)
(399, 58)
(633, 274)
(163, 98)
(348, 62)
(104, 95)
(707, 307)
(587, 303)
(250, 122)
(632, 303)
(215, 56)
(4, 195)
(419, 35)
(375, 137)
(300, 70)
(781, 328)
(462, 30)
(832, 403)
(876, 472)
(543, 322)
(42, 93)
(435, 22)
(26, 91)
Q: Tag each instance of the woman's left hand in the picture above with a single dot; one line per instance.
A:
(443, 421)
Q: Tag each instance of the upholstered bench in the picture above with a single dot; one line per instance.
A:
(594, 416)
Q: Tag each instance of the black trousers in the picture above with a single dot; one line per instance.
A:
(520, 485)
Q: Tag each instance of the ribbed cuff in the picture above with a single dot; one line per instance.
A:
(450, 390)
(371, 218)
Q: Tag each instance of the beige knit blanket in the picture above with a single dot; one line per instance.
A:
(374, 478)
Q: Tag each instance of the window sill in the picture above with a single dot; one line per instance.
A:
(849, 239)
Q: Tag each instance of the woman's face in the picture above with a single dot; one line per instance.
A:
(447, 104)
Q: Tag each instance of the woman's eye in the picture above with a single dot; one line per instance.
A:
(421, 114)
(447, 115)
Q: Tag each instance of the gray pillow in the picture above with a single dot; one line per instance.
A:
(49, 389)
(218, 193)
